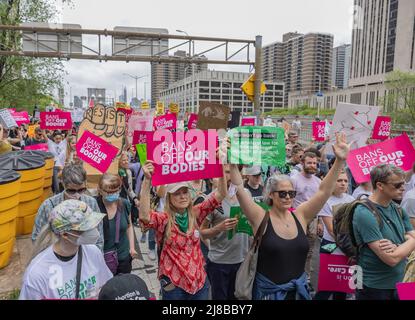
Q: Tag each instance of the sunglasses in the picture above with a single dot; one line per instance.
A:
(396, 185)
(73, 191)
(283, 194)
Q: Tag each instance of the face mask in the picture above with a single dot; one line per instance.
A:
(112, 197)
(87, 237)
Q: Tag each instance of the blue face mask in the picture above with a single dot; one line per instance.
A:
(112, 197)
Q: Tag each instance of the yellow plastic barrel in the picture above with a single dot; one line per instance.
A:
(50, 162)
(32, 170)
(10, 183)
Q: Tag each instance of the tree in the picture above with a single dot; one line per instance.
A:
(26, 81)
(401, 87)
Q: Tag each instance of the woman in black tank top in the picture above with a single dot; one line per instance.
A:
(283, 251)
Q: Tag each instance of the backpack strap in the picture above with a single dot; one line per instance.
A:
(260, 232)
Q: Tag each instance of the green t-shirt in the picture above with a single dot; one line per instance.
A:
(376, 273)
(123, 248)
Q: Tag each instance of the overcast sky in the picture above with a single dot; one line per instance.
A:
(214, 18)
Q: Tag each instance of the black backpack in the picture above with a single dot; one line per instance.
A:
(343, 225)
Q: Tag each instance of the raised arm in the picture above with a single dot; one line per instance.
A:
(148, 170)
(309, 209)
(253, 212)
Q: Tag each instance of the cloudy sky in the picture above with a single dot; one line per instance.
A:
(214, 18)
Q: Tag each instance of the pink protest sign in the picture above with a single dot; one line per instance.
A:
(335, 273)
(40, 146)
(398, 151)
(248, 122)
(192, 124)
(382, 128)
(21, 117)
(96, 151)
(141, 137)
(406, 291)
(183, 156)
(319, 130)
(139, 121)
(168, 122)
(55, 120)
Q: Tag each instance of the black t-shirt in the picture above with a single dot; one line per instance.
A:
(256, 193)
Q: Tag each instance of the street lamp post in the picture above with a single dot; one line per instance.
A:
(136, 79)
(230, 91)
(319, 97)
(192, 78)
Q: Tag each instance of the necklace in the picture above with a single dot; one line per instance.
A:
(285, 223)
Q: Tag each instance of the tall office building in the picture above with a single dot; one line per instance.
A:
(383, 40)
(341, 66)
(97, 94)
(302, 61)
(164, 74)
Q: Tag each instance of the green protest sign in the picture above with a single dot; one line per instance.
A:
(257, 145)
(142, 153)
(243, 225)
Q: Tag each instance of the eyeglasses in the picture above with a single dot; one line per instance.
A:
(73, 191)
(283, 194)
(104, 192)
(397, 185)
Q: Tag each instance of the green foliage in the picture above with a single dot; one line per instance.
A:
(300, 111)
(24, 81)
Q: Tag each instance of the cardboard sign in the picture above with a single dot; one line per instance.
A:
(6, 119)
(21, 117)
(40, 146)
(234, 119)
(55, 120)
(142, 153)
(257, 145)
(356, 121)
(335, 273)
(248, 122)
(160, 108)
(382, 129)
(319, 130)
(95, 151)
(406, 291)
(398, 151)
(183, 156)
(168, 121)
(212, 116)
(139, 121)
(192, 124)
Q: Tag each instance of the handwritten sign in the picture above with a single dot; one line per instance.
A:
(6, 119)
(55, 120)
(398, 151)
(382, 129)
(95, 151)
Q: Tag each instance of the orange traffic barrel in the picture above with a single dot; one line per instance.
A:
(32, 170)
(10, 183)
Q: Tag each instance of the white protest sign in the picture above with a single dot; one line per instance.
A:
(6, 119)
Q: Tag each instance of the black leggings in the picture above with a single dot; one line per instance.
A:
(125, 266)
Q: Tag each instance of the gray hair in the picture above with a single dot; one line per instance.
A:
(272, 185)
(73, 174)
(382, 172)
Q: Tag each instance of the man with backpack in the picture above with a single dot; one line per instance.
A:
(381, 218)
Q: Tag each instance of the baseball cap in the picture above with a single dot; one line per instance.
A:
(74, 215)
(172, 188)
(125, 287)
(252, 170)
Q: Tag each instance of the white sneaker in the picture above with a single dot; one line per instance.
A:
(152, 255)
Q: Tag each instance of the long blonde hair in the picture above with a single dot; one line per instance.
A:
(170, 210)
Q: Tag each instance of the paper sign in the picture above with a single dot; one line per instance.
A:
(141, 137)
(406, 291)
(212, 116)
(40, 146)
(382, 129)
(183, 156)
(174, 108)
(168, 122)
(192, 124)
(139, 121)
(21, 117)
(243, 225)
(142, 153)
(96, 151)
(55, 120)
(31, 130)
(398, 151)
(6, 119)
(248, 122)
(257, 145)
(319, 130)
(234, 119)
(356, 121)
(335, 273)
(77, 115)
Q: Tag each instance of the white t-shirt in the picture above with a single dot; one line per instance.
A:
(408, 203)
(47, 277)
(359, 191)
(409, 185)
(59, 151)
(327, 210)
